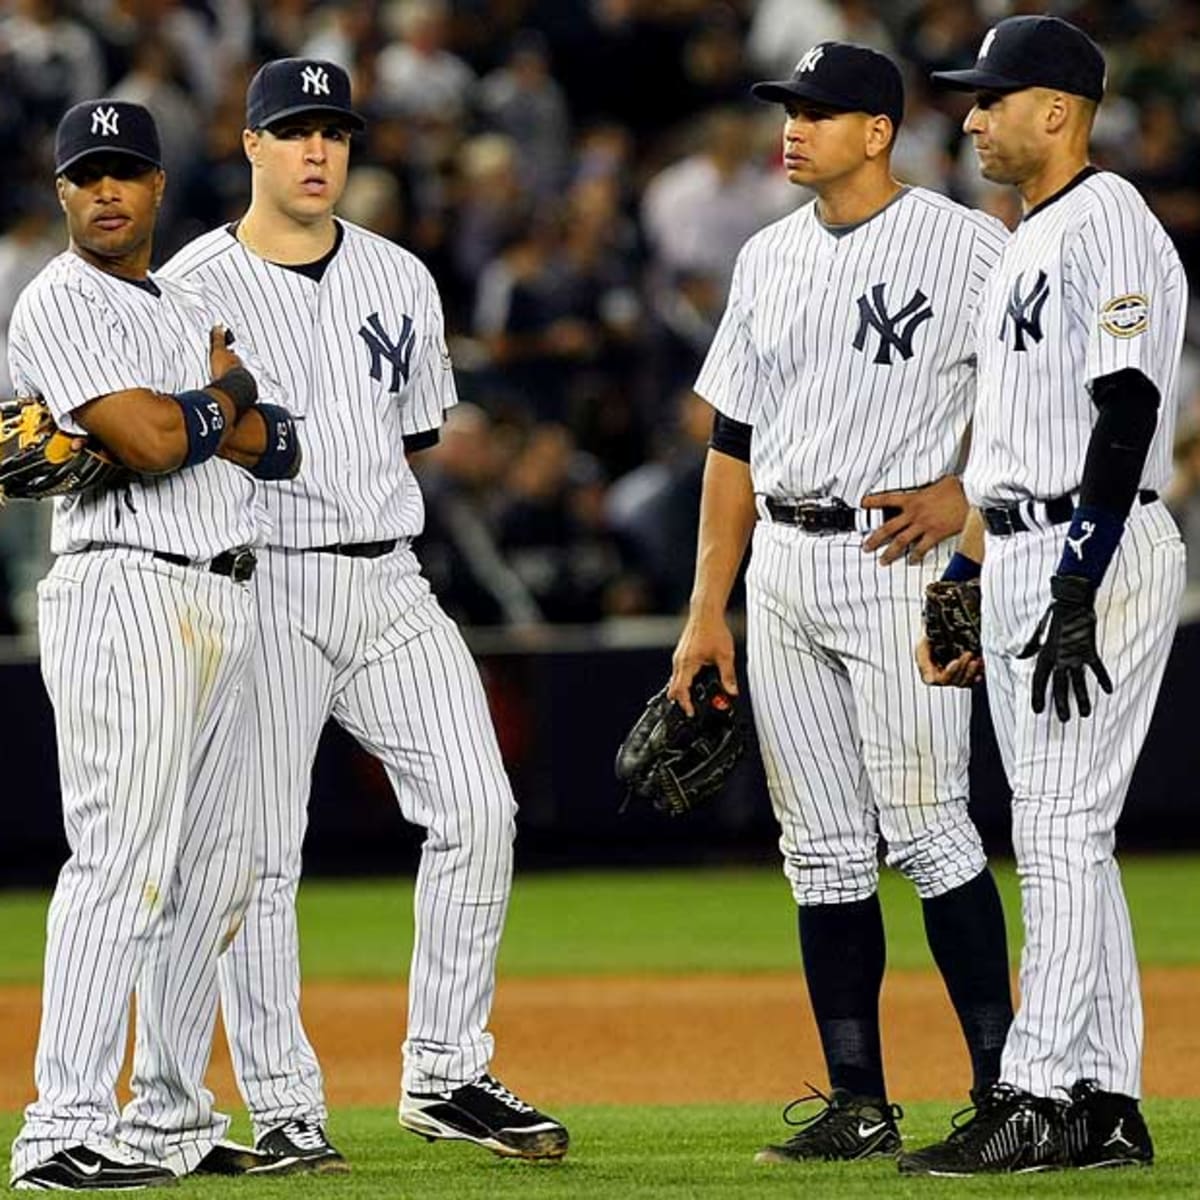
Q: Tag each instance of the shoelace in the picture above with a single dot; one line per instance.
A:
(814, 1093)
(307, 1137)
(498, 1091)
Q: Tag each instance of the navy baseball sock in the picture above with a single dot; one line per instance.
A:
(965, 929)
(844, 955)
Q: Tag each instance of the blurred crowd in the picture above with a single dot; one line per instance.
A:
(579, 175)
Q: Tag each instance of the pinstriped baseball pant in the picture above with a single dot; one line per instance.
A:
(1080, 1014)
(148, 667)
(365, 641)
(853, 743)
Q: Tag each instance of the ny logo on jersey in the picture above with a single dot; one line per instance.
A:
(104, 121)
(895, 330)
(397, 353)
(315, 81)
(1025, 310)
(810, 60)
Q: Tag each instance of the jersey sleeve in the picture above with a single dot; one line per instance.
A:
(728, 379)
(69, 349)
(431, 389)
(1114, 280)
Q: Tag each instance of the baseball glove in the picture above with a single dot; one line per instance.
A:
(675, 761)
(952, 619)
(38, 460)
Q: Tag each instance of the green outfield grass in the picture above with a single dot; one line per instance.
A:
(639, 921)
(701, 1151)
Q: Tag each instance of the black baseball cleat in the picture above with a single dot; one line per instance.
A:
(305, 1144)
(1008, 1131)
(1105, 1129)
(82, 1169)
(487, 1113)
(848, 1128)
(230, 1158)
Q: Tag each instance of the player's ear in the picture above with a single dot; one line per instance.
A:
(60, 188)
(880, 133)
(251, 140)
(1057, 111)
(160, 186)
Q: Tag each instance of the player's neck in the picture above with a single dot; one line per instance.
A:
(852, 200)
(134, 265)
(1050, 180)
(278, 238)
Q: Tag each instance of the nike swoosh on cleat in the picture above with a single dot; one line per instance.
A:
(94, 1169)
(866, 1131)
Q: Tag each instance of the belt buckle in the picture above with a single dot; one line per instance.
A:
(241, 569)
(1006, 519)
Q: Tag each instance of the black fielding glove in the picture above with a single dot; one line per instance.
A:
(1065, 645)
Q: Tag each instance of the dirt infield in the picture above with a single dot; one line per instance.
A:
(651, 1040)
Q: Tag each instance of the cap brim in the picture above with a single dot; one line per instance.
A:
(70, 162)
(975, 80)
(780, 91)
(348, 115)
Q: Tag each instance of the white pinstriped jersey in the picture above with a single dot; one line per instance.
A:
(360, 358)
(1087, 285)
(78, 333)
(850, 352)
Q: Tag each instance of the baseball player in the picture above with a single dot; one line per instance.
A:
(842, 375)
(1078, 337)
(146, 626)
(350, 326)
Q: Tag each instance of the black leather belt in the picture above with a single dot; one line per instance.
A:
(238, 564)
(1006, 519)
(836, 517)
(359, 549)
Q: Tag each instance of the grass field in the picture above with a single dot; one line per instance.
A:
(667, 922)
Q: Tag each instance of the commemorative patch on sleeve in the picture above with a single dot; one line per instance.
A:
(1125, 316)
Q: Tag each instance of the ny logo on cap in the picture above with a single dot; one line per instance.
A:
(315, 81)
(987, 44)
(810, 60)
(104, 121)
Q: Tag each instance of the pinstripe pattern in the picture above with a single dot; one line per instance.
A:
(353, 488)
(1095, 243)
(854, 745)
(828, 419)
(78, 333)
(157, 819)
(1080, 1013)
(362, 641)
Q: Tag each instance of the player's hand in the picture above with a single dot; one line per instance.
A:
(927, 516)
(965, 671)
(220, 357)
(1065, 645)
(704, 640)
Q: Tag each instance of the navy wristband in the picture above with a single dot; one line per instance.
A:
(205, 425)
(1091, 543)
(281, 458)
(961, 568)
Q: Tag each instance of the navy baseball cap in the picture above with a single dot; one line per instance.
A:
(843, 77)
(1024, 52)
(106, 126)
(288, 86)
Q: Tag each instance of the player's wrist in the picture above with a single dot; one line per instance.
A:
(1090, 543)
(961, 568)
(239, 387)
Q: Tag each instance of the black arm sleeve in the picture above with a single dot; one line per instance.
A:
(1128, 404)
(421, 441)
(731, 437)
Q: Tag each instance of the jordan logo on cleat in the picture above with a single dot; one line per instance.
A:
(1118, 1137)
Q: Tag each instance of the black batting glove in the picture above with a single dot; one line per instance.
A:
(1065, 644)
